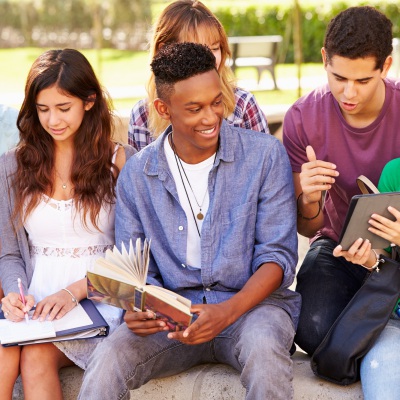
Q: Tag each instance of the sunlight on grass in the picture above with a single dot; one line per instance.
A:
(124, 73)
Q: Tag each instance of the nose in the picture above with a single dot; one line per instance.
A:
(210, 116)
(53, 118)
(350, 90)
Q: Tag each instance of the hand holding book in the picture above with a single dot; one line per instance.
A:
(119, 279)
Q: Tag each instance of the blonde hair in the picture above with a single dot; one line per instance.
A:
(182, 21)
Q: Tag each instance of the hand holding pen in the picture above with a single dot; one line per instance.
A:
(21, 292)
(14, 304)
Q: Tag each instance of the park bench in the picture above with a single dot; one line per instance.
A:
(260, 52)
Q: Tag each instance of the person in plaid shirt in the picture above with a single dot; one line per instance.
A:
(192, 21)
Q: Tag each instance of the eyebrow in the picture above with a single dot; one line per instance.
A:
(57, 105)
(191, 103)
(358, 80)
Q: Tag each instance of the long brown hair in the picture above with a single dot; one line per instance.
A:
(93, 175)
(180, 22)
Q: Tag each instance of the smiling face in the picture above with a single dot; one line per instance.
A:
(59, 114)
(357, 86)
(195, 110)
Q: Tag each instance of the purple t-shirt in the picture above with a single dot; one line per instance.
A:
(316, 120)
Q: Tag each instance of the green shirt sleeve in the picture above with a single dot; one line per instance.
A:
(390, 177)
(390, 180)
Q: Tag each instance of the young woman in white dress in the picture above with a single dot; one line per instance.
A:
(57, 212)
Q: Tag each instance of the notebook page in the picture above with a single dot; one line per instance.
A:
(75, 318)
(15, 332)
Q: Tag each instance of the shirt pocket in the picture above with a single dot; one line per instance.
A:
(238, 230)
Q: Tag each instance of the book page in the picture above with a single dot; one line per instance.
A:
(176, 318)
(16, 332)
(169, 297)
(129, 266)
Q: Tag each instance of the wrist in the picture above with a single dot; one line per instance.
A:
(301, 202)
(372, 264)
(73, 298)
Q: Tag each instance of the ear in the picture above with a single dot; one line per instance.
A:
(324, 59)
(386, 66)
(90, 103)
(162, 109)
(161, 44)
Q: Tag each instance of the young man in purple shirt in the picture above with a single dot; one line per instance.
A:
(336, 133)
(219, 208)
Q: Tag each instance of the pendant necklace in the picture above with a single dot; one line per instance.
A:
(199, 215)
(64, 184)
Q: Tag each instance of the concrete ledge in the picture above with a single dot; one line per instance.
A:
(215, 382)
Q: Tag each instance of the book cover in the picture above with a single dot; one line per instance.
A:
(360, 210)
(119, 279)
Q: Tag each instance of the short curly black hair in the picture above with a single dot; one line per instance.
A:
(179, 61)
(359, 32)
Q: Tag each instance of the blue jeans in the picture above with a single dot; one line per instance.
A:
(257, 345)
(326, 284)
(380, 368)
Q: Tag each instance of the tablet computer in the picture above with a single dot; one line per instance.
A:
(360, 210)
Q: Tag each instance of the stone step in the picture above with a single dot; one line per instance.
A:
(215, 382)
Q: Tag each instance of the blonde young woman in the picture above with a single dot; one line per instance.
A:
(192, 21)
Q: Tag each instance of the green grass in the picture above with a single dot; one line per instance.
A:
(118, 69)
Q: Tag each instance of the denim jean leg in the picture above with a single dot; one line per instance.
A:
(258, 345)
(380, 372)
(326, 284)
(125, 361)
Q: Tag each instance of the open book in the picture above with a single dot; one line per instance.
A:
(83, 321)
(119, 279)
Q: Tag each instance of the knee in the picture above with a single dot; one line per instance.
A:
(34, 362)
(267, 348)
(313, 327)
(9, 363)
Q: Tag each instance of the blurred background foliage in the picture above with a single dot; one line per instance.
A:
(125, 24)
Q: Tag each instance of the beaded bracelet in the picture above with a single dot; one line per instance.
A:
(74, 300)
(301, 215)
(375, 266)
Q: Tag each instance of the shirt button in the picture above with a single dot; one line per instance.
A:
(180, 227)
(208, 289)
(183, 265)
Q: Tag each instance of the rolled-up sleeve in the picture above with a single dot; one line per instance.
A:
(276, 233)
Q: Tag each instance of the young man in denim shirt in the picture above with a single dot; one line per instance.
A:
(222, 220)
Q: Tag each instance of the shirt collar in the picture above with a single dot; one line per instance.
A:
(157, 164)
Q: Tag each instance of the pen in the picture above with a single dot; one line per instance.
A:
(21, 292)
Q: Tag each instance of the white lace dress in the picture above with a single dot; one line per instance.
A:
(62, 250)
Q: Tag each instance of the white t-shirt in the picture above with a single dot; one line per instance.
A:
(197, 175)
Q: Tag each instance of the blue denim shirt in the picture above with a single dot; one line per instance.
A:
(251, 218)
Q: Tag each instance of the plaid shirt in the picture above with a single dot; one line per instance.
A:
(247, 115)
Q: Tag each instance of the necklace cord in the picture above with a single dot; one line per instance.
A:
(184, 186)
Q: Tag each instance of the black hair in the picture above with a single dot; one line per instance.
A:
(359, 32)
(177, 62)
